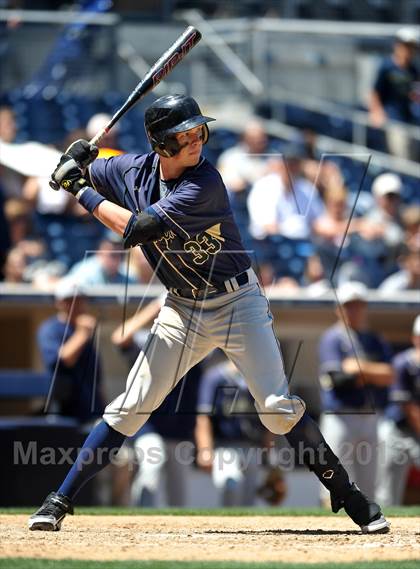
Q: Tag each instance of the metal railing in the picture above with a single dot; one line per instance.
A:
(331, 146)
(59, 17)
(243, 30)
(237, 47)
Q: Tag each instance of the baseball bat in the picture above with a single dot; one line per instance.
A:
(160, 69)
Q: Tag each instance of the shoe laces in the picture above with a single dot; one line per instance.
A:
(54, 505)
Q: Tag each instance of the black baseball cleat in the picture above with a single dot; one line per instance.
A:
(51, 513)
(362, 511)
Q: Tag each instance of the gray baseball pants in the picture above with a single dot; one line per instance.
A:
(185, 331)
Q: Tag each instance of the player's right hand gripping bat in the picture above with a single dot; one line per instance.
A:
(158, 71)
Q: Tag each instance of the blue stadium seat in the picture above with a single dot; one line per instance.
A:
(288, 257)
(23, 384)
(67, 238)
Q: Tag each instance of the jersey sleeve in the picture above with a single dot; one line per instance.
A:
(386, 350)
(330, 355)
(49, 343)
(380, 84)
(403, 388)
(106, 175)
(207, 391)
(194, 206)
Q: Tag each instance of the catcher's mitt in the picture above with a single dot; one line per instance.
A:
(273, 490)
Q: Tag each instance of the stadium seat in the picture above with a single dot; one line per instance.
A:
(23, 384)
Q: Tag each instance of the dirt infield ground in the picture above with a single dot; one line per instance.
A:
(256, 538)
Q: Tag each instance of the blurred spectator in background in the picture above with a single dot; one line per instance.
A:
(38, 193)
(243, 164)
(385, 219)
(315, 280)
(316, 167)
(399, 434)
(108, 145)
(43, 200)
(8, 127)
(104, 266)
(380, 234)
(355, 374)
(19, 220)
(395, 92)
(67, 346)
(228, 435)
(10, 180)
(411, 222)
(283, 202)
(4, 235)
(27, 260)
(15, 266)
(408, 278)
(164, 445)
(283, 206)
(332, 231)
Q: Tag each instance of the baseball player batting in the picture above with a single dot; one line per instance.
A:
(173, 203)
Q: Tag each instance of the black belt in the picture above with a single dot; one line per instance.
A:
(229, 285)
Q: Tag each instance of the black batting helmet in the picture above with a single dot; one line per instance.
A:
(167, 116)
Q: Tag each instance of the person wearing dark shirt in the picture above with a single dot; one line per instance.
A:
(174, 204)
(228, 434)
(399, 433)
(66, 343)
(396, 91)
(355, 373)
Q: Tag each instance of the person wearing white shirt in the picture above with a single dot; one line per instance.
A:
(283, 202)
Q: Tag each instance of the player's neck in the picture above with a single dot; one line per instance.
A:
(170, 170)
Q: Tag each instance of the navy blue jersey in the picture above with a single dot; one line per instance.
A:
(407, 385)
(395, 86)
(201, 245)
(339, 343)
(76, 388)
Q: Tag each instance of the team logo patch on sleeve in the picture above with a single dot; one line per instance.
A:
(166, 239)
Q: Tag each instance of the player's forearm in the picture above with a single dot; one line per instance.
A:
(379, 374)
(123, 335)
(71, 350)
(376, 373)
(138, 229)
(113, 216)
(204, 433)
(204, 443)
(376, 110)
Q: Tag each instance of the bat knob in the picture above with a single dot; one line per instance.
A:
(54, 185)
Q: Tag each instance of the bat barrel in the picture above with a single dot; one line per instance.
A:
(158, 71)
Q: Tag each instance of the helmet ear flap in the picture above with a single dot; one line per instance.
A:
(206, 133)
(160, 149)
(159, 146)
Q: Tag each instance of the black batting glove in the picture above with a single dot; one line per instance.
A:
(68, 176)
(83, 152)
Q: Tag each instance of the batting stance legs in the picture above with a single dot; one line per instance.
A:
(186, 331)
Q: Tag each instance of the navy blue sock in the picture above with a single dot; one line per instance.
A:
(312, 450)
(98, 450)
